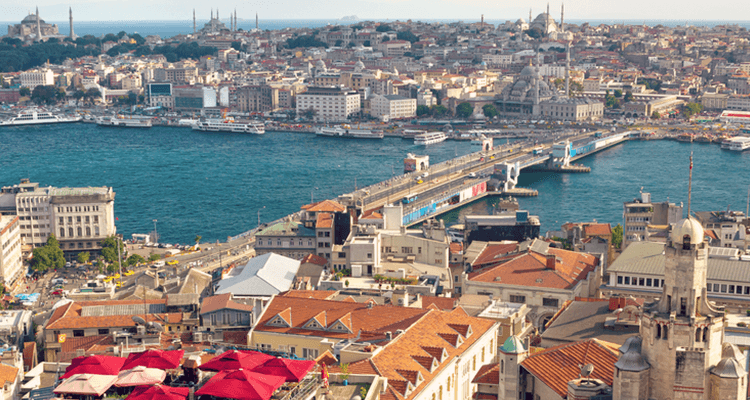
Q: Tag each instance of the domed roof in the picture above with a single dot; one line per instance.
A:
(31, 19)
(520, 21)
(513, 345)
(690, 227)
(528, 71)
(632, 343)
(731, 350)
(729, 368)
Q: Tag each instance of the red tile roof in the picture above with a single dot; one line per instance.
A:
(324, 206)
(442, 303)
(8, 374)
(488, 374)
(29, 348)
(494, 253)
(325, 220)
(314, 259)
(69, 316)
(309, 294)
(222, 301)
(598, 229)
(557, 366)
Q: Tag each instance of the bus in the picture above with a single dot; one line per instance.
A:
(409, 199)
(538, 150)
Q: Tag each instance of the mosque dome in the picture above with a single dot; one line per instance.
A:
(687, 227)
(31, 19)
(359, 65)
(520, 21)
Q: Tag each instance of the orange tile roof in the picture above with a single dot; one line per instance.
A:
(314, 259)
(559, 365)
(397, 360)
(442, 303)
(494, 253)
(371, 215)
(325, 220)
(530, 269)
(324, 206)
(29, 348)
(488, 374)
(8, 374)
(222, 301)
(309, 294)
(598, 229)
(69, 316)
(298, 311)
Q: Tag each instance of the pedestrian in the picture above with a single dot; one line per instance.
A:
(324, 376)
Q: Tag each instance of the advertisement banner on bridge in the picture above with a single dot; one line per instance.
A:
(478, 189)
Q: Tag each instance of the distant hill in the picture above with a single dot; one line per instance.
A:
(349, 18)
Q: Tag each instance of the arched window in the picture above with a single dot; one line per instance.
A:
(440, 393)
(666, 332)
(502, 366)
(80, 231)
(70, 232)
(658, 331)
(698, 335)
(62, 232)
(448, 385)
(686, 242)
(705, 334)
(88, 231)
(96, 230)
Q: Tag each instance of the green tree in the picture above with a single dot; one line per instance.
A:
(617, 236)
(422, 111)
(407, 35)
(83, 257)
(154, 257)
(49, 256)
(559, 83)
(44, 94)
(310, 113)
(576, 88)
(691, 109)
(628, 96)
(134, 260)
(490, 111)
(438, 110)
(109, 248)
(198, 239)
(25, 92)
(383, 28)
(464, 110)
(618, 93)
(655, 115)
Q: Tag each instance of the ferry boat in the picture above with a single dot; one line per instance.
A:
(409, 134)
(121, 122)
(739, 143)
(346, 131)
(230, 125)
(429, 138)
(38, 117)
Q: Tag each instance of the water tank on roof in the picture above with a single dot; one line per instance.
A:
(522, 216)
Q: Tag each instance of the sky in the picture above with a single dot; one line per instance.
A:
(124, 10)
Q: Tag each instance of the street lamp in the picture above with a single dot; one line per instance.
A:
(156, 234)
(259, 216)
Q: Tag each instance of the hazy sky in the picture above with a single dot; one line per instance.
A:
(109, 10)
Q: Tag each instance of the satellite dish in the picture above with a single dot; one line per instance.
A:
(587, 370)
(159, 328)
(138, 320)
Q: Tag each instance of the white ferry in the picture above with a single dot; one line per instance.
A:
(37, 117)
(230, 125)
(739, 143)
(122, 122)
(429, 138)
(345, 131)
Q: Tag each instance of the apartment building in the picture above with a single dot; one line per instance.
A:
(393, 106)
(258, 98)
(80, 218)
(641, 212)
(11, 263)
(37, 77)
(330, 103)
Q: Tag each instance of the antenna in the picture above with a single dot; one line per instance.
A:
(690, 184)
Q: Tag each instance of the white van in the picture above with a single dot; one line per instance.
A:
(159, 263)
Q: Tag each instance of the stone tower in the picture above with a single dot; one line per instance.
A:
(72, 35)
(681, 334)
(511, 354)
(194, 30)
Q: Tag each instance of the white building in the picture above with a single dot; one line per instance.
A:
(80, 218)
(34, 78)
(11, 264)
(131, 82)
(393, 106)
(329, 102)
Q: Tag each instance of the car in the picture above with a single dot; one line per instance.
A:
(419, 180)
(108, 279)
(128, 273)
(472, 175)
(57, 292)
(68, 264)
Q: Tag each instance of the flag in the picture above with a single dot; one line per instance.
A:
(117, 219)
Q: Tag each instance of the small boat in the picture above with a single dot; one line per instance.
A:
(346, 131)
(38, 117)
(230, 125)
(428, 138)
(685, 137)
(121, 122)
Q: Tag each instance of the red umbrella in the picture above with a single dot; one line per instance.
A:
(154, 358)
(99, 365)
(242, 385)
(236, 359)
(291, 370)
(158, 392)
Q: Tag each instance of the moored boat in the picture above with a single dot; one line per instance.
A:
(346, 131)
(38, 117)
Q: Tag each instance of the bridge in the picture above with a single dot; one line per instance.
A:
(454, 183)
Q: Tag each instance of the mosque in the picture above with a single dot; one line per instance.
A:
(33, 27)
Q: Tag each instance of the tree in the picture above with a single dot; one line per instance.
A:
(49, 256)
(618, 93)
(109, 248)
(575, 88)
(83, 257)
(534, 33)
(422, 111)
(438, 110)
(338, 43)
(44, 94)
(383, 28)
(628, 96)
(198, 239)
(559, 83)
(310, 113)
(464, 110)
(617, 236)
(691, 109)
(154, 257)
(237, 46)
(24, 92)
(655, 115)
(407, 35)
(490, 111)
(134, 259)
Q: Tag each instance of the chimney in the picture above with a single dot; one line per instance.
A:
(551, 259)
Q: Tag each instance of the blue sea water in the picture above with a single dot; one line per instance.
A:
(214, 184)
(171, 28)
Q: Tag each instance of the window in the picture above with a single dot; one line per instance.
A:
(419, 250)
(723, 288)
(648, 281)
(619, 280)
(640, 281)
(482, 359)
(407, 250)
(716, 287)
(309, 353)
(264, 346)
(104, 331)
(448, 384)
(549, 302)
(369, 255)
(627, 280)
(474, 362)
(517, 299)
(731, 289)
(78, 332)
(492, 347)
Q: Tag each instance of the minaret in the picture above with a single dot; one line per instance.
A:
(217, 15)
(194, 31)
(546, 22)
(482, 19)
(562, 17)
(72, 35)
(529, 17)
(212, 14)
(256, 20)
(567, 71)
(38, 26)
